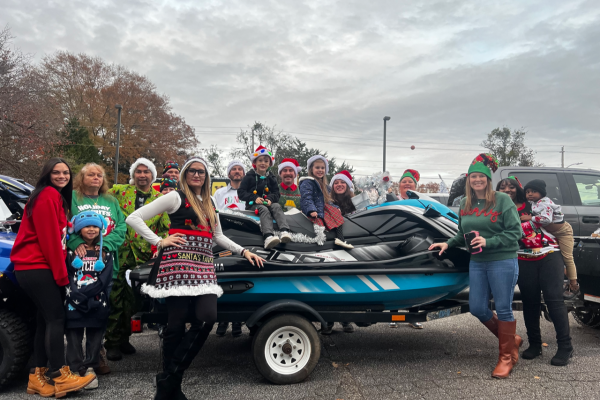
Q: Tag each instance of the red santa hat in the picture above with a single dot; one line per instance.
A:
(345, 176)
(261, 151)
(315, 158)
(290, 162)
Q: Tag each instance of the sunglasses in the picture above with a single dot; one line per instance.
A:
(193, 172)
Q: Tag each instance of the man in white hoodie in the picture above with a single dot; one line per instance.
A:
(227, 197)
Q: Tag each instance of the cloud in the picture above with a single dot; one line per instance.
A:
(447, 72)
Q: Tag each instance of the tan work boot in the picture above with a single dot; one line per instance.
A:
(40, 384)
(69, 382)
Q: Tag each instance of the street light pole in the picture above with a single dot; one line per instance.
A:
(385, 120)
(119, 108)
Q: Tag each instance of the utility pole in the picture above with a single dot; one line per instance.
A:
(119, 108)
(562, 157)
(385, 120)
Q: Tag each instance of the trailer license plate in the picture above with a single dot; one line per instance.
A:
(449, 312)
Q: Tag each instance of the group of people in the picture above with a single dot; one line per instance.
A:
(79, 240)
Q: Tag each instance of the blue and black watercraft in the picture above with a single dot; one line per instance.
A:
(389, 268)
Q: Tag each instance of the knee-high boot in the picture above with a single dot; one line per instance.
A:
(492, 325)
(171, 338)
(506, 339)
(185, 353)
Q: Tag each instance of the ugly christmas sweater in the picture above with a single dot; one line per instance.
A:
(289, 196)
(135, 250)
(253, 186)
(108, 207)
(86, 302)
(500, 226)
(42, 239)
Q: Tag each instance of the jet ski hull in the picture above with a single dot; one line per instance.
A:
(357, 291)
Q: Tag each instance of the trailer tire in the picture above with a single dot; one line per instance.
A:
(587, 317)
(15, 346)
(297, 345)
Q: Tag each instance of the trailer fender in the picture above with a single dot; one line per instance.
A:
(283, 305)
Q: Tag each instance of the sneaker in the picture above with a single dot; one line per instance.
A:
(103, 368)
(222, 328)
(114, 354)
(93, 384)
(393, 325)
(127, 348)
(348, 327)
(345, 245)
(286, 237)
(415, 325)
(271, 242)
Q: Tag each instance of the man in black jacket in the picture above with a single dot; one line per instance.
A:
(260, 190)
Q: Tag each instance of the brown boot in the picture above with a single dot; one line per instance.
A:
(40, 384)
(506, 339)
(69, 382)
(492, 325)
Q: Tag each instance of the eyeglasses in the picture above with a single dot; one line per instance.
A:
(193, 172)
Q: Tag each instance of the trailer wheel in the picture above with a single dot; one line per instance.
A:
(15, 346)
(587, 317)
(286, 349)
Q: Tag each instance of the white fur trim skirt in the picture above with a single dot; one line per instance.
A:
(181, 290)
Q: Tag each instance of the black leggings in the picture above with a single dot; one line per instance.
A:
(544, 276)
(49, 345)
(181, 347)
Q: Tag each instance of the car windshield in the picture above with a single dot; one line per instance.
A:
(4, 211)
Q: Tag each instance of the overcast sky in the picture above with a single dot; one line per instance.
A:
(446, 72)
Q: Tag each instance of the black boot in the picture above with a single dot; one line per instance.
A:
(534, 350)
(166, 387)
(562, 357)
(327, 328)
(236, 329)
(171, 338)
(531, 316)
(186, 351)
(222, 328)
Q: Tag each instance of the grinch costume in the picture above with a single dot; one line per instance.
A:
(134, 251)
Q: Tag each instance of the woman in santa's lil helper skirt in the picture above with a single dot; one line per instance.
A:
(184, 272)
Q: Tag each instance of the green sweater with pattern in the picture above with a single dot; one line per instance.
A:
(289, 197)
(500, 226)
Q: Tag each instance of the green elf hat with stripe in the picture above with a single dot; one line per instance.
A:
(484, 163)
(412, 174)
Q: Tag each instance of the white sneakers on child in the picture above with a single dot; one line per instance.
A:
(271, 242)
(345, 245)
(93, 384)
(285, 237)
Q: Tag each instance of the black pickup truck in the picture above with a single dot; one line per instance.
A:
(578, 192)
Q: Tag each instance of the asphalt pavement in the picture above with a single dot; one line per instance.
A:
(449, 359)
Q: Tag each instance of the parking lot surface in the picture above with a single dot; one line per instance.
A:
(449, 359)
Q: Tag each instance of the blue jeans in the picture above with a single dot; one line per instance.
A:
(497, 278)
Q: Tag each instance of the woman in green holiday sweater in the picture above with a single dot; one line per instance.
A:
(493, 268)
(90, 194)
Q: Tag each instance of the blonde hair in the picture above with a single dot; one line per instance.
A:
(78, 185)
(490, 195)
(321, 181)
(204, 209)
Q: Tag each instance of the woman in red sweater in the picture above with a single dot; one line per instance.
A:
(39, 256)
